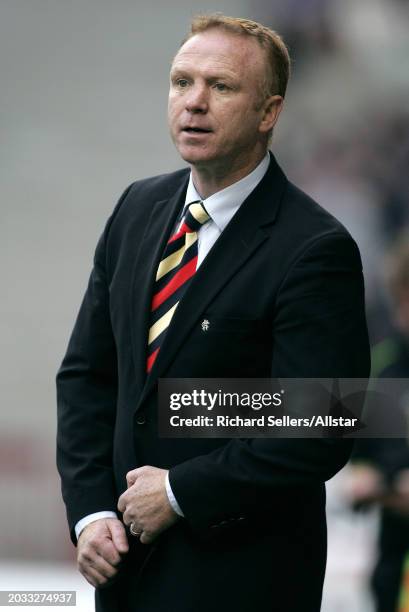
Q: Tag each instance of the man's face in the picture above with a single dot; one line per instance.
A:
(215, 109)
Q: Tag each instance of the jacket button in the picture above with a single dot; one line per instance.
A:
(140, 418)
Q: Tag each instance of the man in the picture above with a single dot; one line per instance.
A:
(213, 524)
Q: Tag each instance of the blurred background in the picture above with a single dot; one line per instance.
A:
(83, 113)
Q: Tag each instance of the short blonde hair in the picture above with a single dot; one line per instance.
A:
(278, 58)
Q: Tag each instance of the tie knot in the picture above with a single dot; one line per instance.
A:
(195, 217)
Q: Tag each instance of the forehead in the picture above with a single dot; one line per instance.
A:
(217, 48)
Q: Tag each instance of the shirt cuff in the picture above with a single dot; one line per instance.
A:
(172, 499)
(90, 518)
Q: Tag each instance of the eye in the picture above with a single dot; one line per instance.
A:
(221, 86)
(182, 83)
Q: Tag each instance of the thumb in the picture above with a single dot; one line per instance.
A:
(118, 535)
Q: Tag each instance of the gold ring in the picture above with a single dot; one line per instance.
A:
(133, 532)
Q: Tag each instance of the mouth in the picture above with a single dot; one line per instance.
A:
(196, 130)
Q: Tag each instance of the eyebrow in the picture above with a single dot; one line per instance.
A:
(179, 71)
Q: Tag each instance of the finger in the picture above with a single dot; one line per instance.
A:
(92, 576)
(118, 536)
(131, 477)
(131, 512)
(88, 566)
(132, 518)
(104, 568)
(147, 537)
(109, 552)
(122, 501)
(93, 559)
(135, 530)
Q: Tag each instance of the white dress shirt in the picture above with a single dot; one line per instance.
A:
(221, 207)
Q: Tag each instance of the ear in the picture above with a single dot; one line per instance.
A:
(271, 110)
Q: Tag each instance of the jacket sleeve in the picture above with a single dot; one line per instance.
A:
(319, 331)
(86, 400)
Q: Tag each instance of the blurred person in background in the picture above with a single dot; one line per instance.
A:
(208, 523)
(380, 469)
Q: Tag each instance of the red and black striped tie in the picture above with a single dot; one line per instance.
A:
(177, 266)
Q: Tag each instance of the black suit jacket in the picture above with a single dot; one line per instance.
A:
(283, 289)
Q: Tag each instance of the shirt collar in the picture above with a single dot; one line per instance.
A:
(222, 205)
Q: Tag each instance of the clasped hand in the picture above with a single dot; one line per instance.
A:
(103, 543)
(145, 503)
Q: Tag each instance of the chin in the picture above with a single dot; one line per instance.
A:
(194, 155)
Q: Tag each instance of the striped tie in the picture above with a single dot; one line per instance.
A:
(177, 266)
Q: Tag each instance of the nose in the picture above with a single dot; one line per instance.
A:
(196, 100)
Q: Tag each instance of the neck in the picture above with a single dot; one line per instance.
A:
(209, 180)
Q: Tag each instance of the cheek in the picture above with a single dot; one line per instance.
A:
(173, 109)
(235, 116)
(238, 126)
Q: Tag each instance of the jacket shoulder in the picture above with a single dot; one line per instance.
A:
(308, 211)
(139, 196)
(160, 186)
(308, 230)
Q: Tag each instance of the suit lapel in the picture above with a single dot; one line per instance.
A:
(160, 224)
(242, 236)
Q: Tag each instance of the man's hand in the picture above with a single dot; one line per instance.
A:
(100, 546)
(146, 503)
